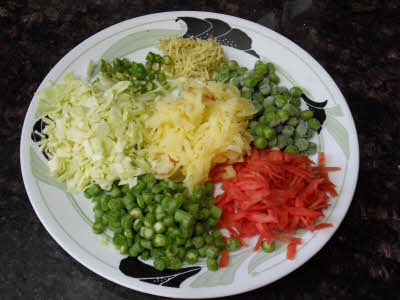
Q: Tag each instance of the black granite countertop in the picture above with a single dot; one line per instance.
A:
(357, 42)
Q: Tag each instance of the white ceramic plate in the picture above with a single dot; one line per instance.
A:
(68, 217)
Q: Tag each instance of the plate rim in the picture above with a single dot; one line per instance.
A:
(160, 290)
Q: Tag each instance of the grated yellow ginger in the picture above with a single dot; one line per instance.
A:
(192, 58)
(207, 124)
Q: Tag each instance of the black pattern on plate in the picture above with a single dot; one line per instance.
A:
(317, 108)
(133, 267)
(38, 127)
(220, 30)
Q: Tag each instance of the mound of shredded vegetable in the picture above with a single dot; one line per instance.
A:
(206, 125)
(274, 192)
(192, 57)
(94, 132)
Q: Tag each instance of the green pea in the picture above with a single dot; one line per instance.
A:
(286, 95)
(265, 89)
(284, 89)
(271, 67)
(269, 109)
(314, 124)
(292, 121)
(301, 129)
(271, 119)
(290, 141)
(258, 97)
(312, 148)
(309, 134)
(279, 128)
(306, 114)
(288, 130)
(282, 141)
(269, 101)
(233, 65)
(252, 125)
(274, 78)
(282, 115)
(261, 67)
(275, 90)
(273, 142)
(250, 82)
(292, 149)
(241, 70)
(246, 94)
(259, 129)
(301, 144)
(296, 91)
(258, 76)
(268, 132)
(295, 101)
(260, 142)
(280, 101)
(290, 109)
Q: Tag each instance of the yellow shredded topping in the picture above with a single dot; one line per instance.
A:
(207, 124)
(192, 57)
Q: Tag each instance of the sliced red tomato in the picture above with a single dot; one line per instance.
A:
(274, 192)
(223, 261)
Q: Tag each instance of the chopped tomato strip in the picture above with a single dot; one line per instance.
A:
(172, 160)
(209, 97)
(291, 251)
(274, 192)
(223, 261)
(322, 225)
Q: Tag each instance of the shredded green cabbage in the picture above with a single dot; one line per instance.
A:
(94, 132)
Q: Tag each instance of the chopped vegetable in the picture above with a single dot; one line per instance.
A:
(192, 57)
(278, 107)
(159, 219)
(94, 132)
(206, 125)
(274, 192)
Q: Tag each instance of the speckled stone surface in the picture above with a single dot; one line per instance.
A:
(357, 42)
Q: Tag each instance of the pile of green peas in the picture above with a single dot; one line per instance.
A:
(144, 78)
(159, 219)
(279, 122)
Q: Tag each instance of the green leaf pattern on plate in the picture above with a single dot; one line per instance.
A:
(260, 257)
(41, 171)
(335, 111)
(339, 133)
